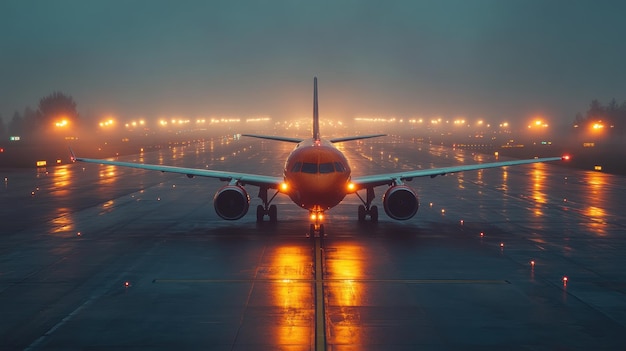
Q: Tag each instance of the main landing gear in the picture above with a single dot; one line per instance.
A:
(266, 209)
(367, 209)
(271, 212)
(364, 212)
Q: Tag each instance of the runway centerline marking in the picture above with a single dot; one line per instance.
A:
(320, 314)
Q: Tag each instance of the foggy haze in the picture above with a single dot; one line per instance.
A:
(477, 59)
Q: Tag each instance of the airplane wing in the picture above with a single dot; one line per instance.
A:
(270, 137)
(357, 137)
(240, 178)
(394, 178)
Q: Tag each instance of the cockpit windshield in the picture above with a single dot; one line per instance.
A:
(309, 167)
(314, 168)
(326, 168)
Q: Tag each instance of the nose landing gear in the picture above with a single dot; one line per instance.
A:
(316, 228)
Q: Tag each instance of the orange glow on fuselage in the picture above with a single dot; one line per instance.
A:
(317, 174)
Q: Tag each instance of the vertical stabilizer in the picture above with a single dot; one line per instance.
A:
(316, 116)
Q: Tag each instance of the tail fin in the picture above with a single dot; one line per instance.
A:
(316, 117)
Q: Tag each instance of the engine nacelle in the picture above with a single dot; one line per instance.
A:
(400, 202)
(231, 202)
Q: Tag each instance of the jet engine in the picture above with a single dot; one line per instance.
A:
(400, 202)
(231, 202)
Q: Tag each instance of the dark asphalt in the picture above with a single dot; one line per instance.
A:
(97, 257)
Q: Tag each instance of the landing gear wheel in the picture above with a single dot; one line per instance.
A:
(260, 213)
(273, 214)
(312, 230)
(322, 233)
(374, 214)
(361, 213)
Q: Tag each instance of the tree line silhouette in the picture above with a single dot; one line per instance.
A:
(52, 109)
(612, 116)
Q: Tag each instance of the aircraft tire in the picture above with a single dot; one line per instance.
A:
(273, 213)
(260, 213)
(374, 214)
(361, 213)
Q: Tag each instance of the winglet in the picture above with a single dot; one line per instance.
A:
(316, 116)
(72, 155)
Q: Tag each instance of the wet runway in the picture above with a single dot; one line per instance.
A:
(98, 257)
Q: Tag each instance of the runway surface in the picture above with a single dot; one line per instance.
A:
(98, 257)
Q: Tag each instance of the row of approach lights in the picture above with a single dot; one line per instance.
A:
(163, 122)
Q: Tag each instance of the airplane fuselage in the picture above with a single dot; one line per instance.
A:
(317, 174)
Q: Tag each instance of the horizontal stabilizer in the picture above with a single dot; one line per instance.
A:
(270, 137)
(350, 138)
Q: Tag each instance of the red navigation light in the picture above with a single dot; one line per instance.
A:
(565, 157)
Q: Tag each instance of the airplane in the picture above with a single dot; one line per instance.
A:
(317, 177)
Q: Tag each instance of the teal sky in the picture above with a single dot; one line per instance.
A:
(493, 59)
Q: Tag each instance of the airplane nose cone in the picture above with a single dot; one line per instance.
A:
(319, 190)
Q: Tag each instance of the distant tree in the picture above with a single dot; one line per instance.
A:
(620, 121)
(30, 121)
(16, 125)
(55, 107)
(596, 110)
(3, 129)
(579, 119)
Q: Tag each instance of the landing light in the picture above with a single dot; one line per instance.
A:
(351, 187)
(284, 187)
(317, 216)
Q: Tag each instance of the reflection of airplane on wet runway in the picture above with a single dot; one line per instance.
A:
(316, 178)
